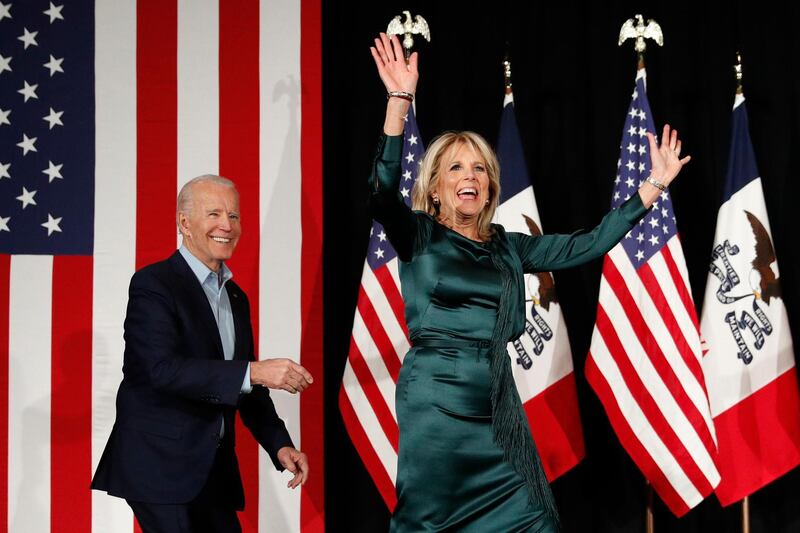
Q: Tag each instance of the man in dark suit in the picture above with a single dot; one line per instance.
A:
(189, 366)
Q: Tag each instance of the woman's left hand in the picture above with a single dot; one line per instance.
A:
(665, 160)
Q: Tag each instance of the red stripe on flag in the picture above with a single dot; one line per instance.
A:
(156, 131)
(759, 438)
(370, 388)
(652, 412)
(379, 337)
(681, 287)
(71, 393)
(367, 452)
(556, 426)
(312, 498)
(5, 284)
(656, 293)
(239, 160)
(156, 128)
(656, 356)
(631, 442)
(393, 295)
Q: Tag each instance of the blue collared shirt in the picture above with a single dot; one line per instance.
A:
(214, 287)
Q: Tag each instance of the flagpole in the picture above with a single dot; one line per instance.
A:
(737, 68)
(650, 523)
(636, 29)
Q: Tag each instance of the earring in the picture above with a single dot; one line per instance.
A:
(435, 200)
(487, 202)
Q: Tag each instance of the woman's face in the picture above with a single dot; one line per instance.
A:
(463, 185)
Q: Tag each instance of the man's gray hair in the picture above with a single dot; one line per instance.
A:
(186, 196)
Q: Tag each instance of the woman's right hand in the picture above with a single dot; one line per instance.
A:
(395, 73)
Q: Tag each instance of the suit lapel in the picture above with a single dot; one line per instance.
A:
(240, 319)
(193, 296)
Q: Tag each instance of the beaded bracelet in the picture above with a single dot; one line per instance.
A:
(655, 183)
(400, 94)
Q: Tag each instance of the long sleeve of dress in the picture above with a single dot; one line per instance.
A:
(385, 202)
(553, 252)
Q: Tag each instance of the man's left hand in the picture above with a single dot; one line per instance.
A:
(295, 462)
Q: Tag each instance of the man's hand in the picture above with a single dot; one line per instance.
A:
(280, 374)
(295, 462)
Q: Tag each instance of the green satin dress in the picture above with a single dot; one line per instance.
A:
(464, 301)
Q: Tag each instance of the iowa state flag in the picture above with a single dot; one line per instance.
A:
(749, 367)
(541, 357)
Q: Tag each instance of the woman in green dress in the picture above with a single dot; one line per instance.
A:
(466, 459)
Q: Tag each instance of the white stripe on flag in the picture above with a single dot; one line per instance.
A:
(114, 229)
(281, 236)
(639, 424)
(384, 310)
(372, 357)
(29, 379)
(653, 382)
(198, 89)
(369, 422)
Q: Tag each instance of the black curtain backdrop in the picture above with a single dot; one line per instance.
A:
(572, 86)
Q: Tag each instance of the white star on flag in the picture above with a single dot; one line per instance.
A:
(28, 38)
(29, 91)
(4, 170)
(382, 236)
(27, 198)
(5, 10)
(379, 253)
(653, 240)
(54, 118)
(54, 65)
(4, 223)
(4, 117)
(410, 157)
(52, 224)
(412, 140)
(53, 171)
(5, 63)
(28, 144)
(404, 191)
(54, 13)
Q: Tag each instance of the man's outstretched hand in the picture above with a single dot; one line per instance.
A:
(280, 374)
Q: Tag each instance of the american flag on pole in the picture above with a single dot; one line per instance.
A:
(106, 109)
(750, 366)
(645, 357)
(541, 357)
(378, 344)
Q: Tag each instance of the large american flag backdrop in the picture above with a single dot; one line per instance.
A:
(645, 356)
(106, 109)
(379, 342)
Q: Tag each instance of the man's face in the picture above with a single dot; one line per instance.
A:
(212, 227)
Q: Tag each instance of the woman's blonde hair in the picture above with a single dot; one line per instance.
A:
(430, 169)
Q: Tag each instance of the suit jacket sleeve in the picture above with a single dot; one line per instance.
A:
(161, 347)
(553, 252)
(256, 408)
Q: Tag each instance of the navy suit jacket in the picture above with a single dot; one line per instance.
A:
(177, 388)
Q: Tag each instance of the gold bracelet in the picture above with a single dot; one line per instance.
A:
(655, 183)
(400, 94)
